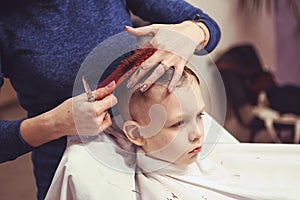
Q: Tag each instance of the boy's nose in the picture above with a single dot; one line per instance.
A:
(195, 134)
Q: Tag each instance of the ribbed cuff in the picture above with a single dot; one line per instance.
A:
(12, 144)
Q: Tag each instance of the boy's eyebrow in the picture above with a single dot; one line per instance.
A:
(174, 119)
(180, 116)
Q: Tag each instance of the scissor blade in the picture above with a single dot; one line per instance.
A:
(86, 86)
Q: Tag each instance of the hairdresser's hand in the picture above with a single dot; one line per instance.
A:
(90, 118)
(175, 45)
(75, 116)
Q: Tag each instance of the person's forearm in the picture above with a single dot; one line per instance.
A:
(39, 130)
(165, 11)
(72, 117)
(173, 12)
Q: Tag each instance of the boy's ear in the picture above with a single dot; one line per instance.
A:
(132, 132)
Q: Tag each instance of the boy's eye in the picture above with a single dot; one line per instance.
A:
(178, 124)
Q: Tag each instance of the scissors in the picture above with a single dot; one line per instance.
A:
(88, 91)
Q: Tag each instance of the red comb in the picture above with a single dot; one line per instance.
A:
(128, 66)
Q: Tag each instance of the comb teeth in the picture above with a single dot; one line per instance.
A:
(128, 66)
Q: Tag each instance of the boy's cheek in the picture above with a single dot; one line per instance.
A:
(174, 148)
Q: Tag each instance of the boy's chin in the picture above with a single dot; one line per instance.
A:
(186, 162)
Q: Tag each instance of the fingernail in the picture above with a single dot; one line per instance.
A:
(143, 88)
(126, 27)
(114, 100)
(129, 84)
(170, 89)
(110, 84)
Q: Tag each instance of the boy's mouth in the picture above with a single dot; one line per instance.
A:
(195, 150)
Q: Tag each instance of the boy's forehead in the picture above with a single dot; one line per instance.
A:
(187, 96)
(187, 93)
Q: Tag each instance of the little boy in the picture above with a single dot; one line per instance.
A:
(168, 126)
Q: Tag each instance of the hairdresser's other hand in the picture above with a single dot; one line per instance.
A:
(175, 44)
(75, 116)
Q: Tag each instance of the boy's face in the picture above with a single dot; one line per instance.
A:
(180, 138)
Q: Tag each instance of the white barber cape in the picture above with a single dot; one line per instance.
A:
(93, 170)
(98, 169)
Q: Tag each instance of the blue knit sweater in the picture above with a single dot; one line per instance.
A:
(42, 46)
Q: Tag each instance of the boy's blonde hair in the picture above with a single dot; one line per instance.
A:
(134, 104)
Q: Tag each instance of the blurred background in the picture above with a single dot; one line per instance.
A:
(258, 60)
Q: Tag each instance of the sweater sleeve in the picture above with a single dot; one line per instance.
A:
(175, 11)
(12, 144)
